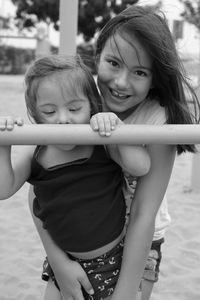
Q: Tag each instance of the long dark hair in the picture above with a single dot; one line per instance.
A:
(169, 77)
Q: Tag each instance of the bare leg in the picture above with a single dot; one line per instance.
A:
(51, 292)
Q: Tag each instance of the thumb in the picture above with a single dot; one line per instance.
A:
(86, 285)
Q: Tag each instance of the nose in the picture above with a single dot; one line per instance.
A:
(122, 79)
(63, 117)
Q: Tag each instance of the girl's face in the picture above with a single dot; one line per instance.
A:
(124, 74)
(61, 102)
(58, 104)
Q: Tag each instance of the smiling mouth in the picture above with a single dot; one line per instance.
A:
(118, 95)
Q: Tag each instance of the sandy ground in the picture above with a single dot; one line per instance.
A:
(21, 252)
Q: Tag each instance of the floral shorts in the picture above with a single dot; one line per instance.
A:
(102, 272)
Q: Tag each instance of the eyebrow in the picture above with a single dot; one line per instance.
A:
(143, 67)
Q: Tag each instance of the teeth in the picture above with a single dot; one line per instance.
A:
(114, 93)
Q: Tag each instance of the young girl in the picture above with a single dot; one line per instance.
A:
(78, 189)
(141, 79)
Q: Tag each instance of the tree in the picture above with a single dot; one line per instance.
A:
(191, 12)
(27, 10)
(93, 14)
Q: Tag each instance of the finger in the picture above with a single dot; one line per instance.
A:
(101, 124)
(10, 122)
(86, 285)
(107, 125)
(113, 121)
(64, 298)
(79, 296)
(94, 123)
(19, 121)
(3, 123)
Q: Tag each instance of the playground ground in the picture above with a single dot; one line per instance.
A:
(21, 252)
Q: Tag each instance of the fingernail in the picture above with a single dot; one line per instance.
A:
(108, 133)
(91, 292)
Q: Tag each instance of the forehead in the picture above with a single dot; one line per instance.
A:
(128, 49)
(66, 82)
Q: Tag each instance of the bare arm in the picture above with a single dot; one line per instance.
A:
(135, 159)
(149, 194)
(15, 172)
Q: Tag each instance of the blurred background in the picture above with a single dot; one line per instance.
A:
(31, 28)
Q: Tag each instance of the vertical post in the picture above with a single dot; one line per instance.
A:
(195, 176)
(68, 26)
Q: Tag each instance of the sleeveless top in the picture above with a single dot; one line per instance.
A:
(148, 112)
(80, 203)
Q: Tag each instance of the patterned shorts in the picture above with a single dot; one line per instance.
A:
(151, 271)
(102, 272)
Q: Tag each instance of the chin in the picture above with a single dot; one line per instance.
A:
(66, 147)
(114, 108)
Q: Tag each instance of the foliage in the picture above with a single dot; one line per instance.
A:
(93, 14)
(192, 12)
(45, 10)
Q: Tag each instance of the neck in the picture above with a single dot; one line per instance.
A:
(124, 114)
(55, 155)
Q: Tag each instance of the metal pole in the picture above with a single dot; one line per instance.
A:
(68, 26)
(195, 176)
(44, 134)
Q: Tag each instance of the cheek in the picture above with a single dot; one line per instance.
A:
(143, 88)
(85, 117)
(103, 74)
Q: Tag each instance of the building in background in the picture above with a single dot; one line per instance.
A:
(186, 35)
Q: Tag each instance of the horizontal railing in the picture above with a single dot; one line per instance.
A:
(44, 134)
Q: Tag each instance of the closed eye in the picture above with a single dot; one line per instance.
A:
(75, 109)
(48, 112)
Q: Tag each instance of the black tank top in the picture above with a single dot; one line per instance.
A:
(80, 203)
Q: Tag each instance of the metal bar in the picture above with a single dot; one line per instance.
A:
(44, 134)
(68, 26)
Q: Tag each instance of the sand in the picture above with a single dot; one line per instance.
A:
(21, 252)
